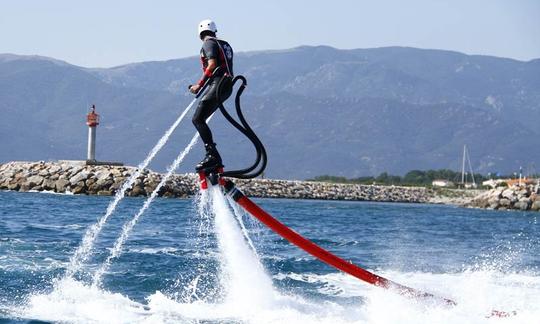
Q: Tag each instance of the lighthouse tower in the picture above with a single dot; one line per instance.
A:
(92, 120)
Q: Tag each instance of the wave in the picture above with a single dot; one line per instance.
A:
(477, 294)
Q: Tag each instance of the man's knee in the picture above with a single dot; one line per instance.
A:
(195, 120)
(198, 116)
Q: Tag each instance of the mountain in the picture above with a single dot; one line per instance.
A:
(319, 110)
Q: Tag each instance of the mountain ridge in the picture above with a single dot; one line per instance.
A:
(320, 110)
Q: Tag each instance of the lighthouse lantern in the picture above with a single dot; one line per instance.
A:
(92, 119)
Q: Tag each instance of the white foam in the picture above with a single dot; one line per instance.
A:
(164, 250)
(72, 301)
(477, 293)
(290, 311)
(49, 192)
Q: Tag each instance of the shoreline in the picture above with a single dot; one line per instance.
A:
(104, 180)
(522, 198)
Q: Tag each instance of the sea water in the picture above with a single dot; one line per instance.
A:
(128, 226)
(189, 261)
(85, 247)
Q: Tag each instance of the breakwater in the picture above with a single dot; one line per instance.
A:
(516, 197)
(78, 178)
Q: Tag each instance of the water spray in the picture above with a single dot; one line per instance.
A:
(128, 226)
(85, 248)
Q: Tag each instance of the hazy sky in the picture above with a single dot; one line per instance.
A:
(101, 33)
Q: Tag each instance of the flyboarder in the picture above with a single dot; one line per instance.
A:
(217, 64)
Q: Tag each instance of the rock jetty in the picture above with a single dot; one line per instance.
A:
(77, 178)
(516, 197)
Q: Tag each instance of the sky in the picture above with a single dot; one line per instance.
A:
(105, 33)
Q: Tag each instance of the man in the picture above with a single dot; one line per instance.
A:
(217, 63)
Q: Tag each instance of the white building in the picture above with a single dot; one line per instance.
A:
(442, 183)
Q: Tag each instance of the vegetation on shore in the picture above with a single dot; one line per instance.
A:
(411, 178)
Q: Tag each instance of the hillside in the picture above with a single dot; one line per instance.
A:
(319, 110)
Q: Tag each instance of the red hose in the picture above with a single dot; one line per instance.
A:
(328, 257)
(331, 259)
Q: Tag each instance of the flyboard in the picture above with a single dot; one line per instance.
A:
(218, 177)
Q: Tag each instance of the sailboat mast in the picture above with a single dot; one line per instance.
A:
(463, 165)
(470, 168)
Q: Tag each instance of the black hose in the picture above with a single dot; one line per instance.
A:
(248, 127)
(245, 129)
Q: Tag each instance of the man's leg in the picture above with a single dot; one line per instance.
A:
(204, 110)
(207, 106)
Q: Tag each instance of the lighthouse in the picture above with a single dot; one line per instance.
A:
(92, 120)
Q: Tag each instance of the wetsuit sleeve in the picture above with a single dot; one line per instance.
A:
(210, 48)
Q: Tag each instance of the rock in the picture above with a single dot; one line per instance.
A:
(44, 172)
(496, 193)
(14, 186)
(168, 194)
(73, 170)
(103, 182)
(33, 181)
(99, 185)
(535, 205)
(493, 200)
(91, 180)
(508, 194)
(117, 184)
(494, 205)
(61, 185)
(522, 204)
(103, 175)
(504, 202)
(48, 184)
(513, 197)
(104, 193)
(54, 169)
(149, 189)
(137, 191)
(79, 188)
(81, 176)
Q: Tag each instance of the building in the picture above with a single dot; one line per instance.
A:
(442, 183)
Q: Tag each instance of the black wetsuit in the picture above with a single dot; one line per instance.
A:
(220, 50)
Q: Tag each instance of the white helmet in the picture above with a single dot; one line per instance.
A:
(207, 25)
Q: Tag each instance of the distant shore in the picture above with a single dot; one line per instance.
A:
(525, 197)
(78, 178)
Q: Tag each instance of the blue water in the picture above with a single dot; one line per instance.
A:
(482, 259)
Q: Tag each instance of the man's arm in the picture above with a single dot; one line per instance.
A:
(212, 64)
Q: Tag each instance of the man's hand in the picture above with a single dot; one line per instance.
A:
(195, 88)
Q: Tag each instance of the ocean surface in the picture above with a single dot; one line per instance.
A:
(202, 260)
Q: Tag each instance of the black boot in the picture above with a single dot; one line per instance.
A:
(212, 158)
